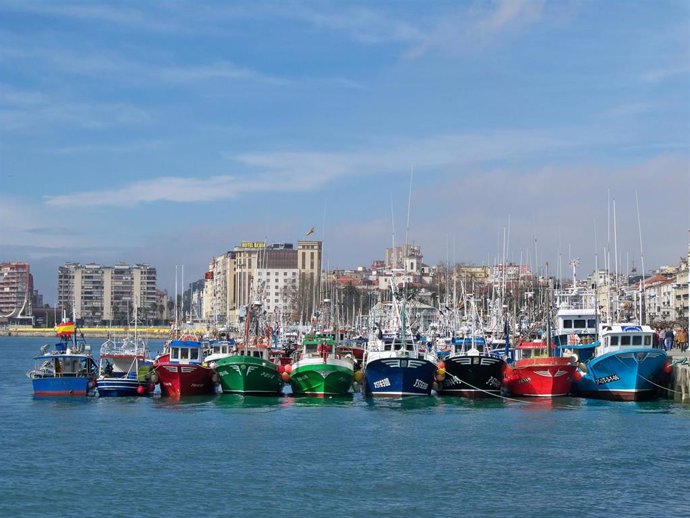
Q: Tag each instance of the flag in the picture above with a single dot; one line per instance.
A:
(311, 231)
(64, 329)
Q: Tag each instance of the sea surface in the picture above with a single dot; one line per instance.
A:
(229, 455)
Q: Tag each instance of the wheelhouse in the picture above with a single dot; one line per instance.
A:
(186, 352)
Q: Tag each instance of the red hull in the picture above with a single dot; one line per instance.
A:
(179, 379)
(540, 377)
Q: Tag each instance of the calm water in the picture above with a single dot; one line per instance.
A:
(234, 456)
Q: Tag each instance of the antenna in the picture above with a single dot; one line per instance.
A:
(395, 262)
(409, 203)
(639, 229)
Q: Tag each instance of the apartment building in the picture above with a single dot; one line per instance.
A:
(16, 291)
(100, 293)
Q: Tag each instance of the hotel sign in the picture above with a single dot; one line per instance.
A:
(252, 244)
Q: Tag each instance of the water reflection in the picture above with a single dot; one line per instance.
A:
(246, 401)
(402, 403)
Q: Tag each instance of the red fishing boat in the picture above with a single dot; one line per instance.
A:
(534, 373)
(181, 372)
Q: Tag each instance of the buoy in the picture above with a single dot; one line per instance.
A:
(359, 376)
(441, 371)
(141, 390)
(440, 377)
(441, 365)
(285, 376)
(154, 378)
(577, 375)
(668, 368)
(280, 368)
(582, 367)
(288, 368)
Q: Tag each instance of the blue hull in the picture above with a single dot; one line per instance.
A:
(121, 387)
(397, 377)
(628, 375)
(63, 386)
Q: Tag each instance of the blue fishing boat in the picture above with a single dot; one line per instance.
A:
(622, 365)
(66, 368)
(124, 369)
(394, 365)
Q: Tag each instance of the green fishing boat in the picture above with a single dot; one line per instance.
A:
(249, 369)
(319, 370)
(249, 372)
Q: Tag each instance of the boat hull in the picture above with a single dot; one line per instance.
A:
(314, 377)
(541, 377)
(63, 386)
(474, 376)
(123, 387)
(177, 380)
(399, 377)
(628, 375)
(242, 374)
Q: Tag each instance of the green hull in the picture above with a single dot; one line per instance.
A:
(248, 375)
(321, 379)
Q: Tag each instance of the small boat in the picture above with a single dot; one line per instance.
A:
(124, 369)
(65, 369)
(623, 365)
(319, 370)
(535, 373)
(181, 371)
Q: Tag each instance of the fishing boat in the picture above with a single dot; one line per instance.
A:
(536, 373)
(471, 370)
(623, 365)
(180, 370)
(124, 368)
(65, 369)
(393, 364)
(319, 370)
(249, 370)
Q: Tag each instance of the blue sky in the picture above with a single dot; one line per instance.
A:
(168, 132)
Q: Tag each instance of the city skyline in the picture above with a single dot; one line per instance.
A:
(167, 133)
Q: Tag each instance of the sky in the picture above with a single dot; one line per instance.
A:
(167, 132)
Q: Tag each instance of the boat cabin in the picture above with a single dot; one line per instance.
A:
(183, 351)
(63, 365)
(621, 336)
(467, 345)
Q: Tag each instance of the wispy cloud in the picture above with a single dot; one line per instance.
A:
(308, 171)
(469, 30)
(20, 110)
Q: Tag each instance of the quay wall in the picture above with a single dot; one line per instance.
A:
(161, 333)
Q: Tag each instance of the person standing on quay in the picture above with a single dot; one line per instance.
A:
(668, 339)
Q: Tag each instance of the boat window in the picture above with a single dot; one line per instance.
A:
(567, 324)
(580, 323)
(625, 340)
(637, 340)
(648, 340)
(387, 346)
(184, 353)
(614, 340)
(174, 353)
(194, 354)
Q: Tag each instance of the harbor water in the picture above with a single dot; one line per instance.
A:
(229, 455)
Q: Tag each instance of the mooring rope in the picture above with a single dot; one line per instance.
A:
(486, 391)
(657, 385)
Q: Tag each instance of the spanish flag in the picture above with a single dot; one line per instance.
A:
(64, 329)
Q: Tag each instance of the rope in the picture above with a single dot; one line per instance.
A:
(657, 385)
(487, 392)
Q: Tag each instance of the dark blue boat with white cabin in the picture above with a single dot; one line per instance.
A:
(124, 369)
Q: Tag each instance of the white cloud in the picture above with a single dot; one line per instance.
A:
(307, 171)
